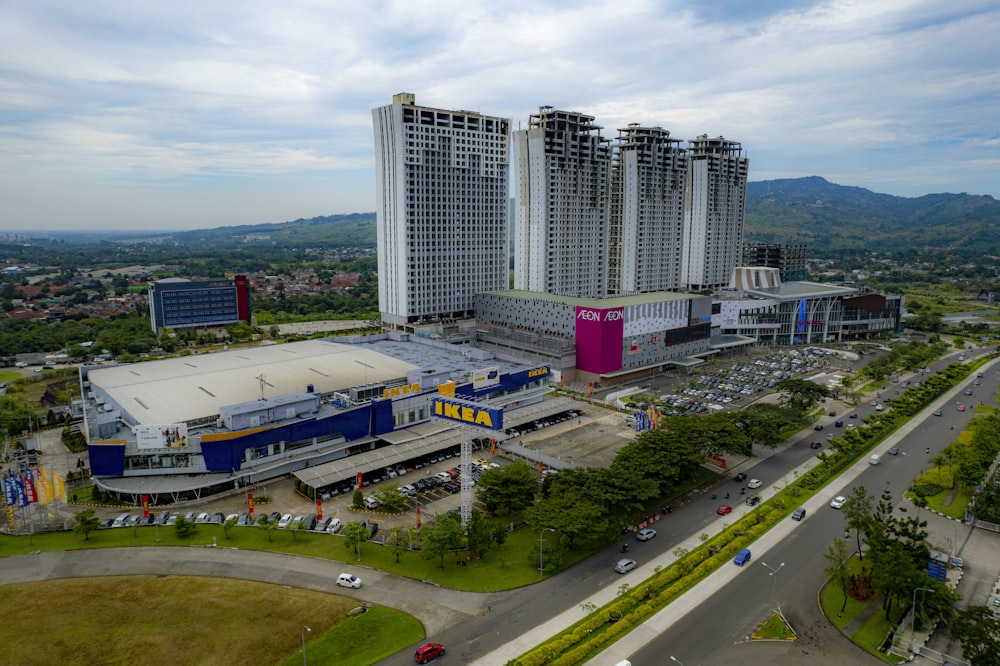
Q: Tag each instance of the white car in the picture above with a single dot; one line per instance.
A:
(645, 534)
(838, 501)
(755, 483)
(285, 521)
(348, 580)
(625, 565)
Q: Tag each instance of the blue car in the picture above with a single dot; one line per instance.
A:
(742, 558)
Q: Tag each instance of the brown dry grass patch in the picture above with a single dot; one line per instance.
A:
(160, 620)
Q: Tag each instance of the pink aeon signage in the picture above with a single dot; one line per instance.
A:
(599, 335)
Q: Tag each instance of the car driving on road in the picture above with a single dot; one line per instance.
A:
(645, 534)
(838, 501)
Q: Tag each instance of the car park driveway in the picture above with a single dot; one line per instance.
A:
(437, 608)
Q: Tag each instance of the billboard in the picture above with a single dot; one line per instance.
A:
(599, 337)
(170, 436)
(485, 378)
(467, 412)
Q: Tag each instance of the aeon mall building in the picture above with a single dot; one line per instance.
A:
(587, 339)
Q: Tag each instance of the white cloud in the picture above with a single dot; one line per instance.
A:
(180, 100)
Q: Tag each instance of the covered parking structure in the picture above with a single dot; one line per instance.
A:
(405, 447)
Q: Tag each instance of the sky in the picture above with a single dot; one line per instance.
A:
(116, 114)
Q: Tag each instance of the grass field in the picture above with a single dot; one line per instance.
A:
(184, 620)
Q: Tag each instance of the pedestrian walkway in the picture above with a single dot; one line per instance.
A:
(665, 618)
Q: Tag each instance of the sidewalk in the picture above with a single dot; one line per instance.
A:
(664, 619)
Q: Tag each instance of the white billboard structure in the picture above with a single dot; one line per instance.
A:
(170, 436)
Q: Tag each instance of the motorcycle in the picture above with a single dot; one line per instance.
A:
(624, 547)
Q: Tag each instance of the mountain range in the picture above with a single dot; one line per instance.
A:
(813, 211)
(821, 214)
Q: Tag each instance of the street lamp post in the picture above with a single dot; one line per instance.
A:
(304, 630)
(541, 545)
(774, 579)
(913, 613)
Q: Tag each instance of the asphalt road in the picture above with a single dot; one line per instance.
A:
(717, 631)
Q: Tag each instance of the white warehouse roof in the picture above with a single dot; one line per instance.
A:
(194, 387)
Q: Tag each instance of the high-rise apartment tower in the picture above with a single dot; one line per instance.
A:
(647, 212)
(714, 203)
(442, 210)
(561, 185)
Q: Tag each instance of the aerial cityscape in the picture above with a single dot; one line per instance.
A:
(570, 384)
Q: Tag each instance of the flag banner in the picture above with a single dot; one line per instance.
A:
(43, 487)
(145, 506)
(418, 516)
(29, 488)
(319, 508)
(250, 503)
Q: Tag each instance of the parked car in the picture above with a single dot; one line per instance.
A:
(798, 514)
(838, 501)
(753, 500)
(121, 521)
(334, 526)
(724, 510)
(202, 517)
(742, 557)
(645, 534)
(349, 580)
(625, 565)
(427, 652)
(321, 525)
(755, 483)
(284, 521)
(217, 518)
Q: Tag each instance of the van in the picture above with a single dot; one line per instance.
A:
(121, 520)
(874, 460)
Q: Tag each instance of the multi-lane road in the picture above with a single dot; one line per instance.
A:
(714, 630)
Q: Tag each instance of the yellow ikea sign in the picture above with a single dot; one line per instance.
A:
(397, 391)
(467, 413)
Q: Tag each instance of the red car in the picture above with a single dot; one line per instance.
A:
(724, 509)
(816, 445)
(427, 652)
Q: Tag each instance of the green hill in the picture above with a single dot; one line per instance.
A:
(822, 214)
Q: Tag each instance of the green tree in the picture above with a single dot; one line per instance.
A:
(802, 394)
(858, 512)
(228, 526)
(575, 515)
(838, 558)
(267, 526)
(184, 528)
(440, 536)
(391, 498)
(657, 462)
(978, 629)
(763, 422)
(358, 499)
(508, 488)
(86, 522)
(354, 534)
